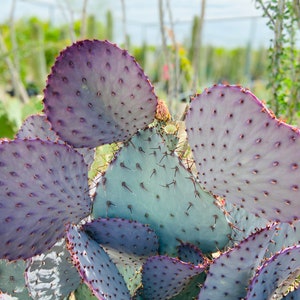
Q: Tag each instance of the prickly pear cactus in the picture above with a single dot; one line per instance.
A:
(147, 183)
(242, 151)
(273, 273)
(229, 274)
(95, 266)
(97, 94)
(128, 244)
(164, 277)
(51, 275)
(43, 187)
(38, 127)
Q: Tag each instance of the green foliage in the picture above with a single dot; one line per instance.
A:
(284, 57)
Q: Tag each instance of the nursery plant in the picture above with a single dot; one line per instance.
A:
(211, 216)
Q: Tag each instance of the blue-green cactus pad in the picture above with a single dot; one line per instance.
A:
(148, 184)
(12, 279)
(229, 274)
(95, 266)
(51, 275)
(97, 94)
(43, 186)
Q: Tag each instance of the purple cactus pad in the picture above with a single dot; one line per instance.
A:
(43, 186)
(95, 266)
(244, 154)
(98, 94)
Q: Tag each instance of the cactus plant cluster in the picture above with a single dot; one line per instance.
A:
(218, 220)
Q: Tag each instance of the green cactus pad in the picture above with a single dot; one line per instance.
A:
(244, 154)
(97, 94)
(12, 279)
(229, 274)
(95, 266)
(148, 184)
(43, 186)
(51, 276)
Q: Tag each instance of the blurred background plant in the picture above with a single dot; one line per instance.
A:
(178, 68)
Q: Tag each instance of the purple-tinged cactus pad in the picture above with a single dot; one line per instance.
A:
(12, 279)
(190, 253)
(128, 243)
(230, 273)
(95, 266)
(51, 275)
(273, 273)
(243, 223)
(43, 186)
(164, 277)
(38, 127)
(97, 94)
(148, 184)
(243, 153)
(123, 235)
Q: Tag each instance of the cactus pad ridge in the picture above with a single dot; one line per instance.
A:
(294, 295)
(229, 274)
(156, 189)
(95, 266)
(97, 94)
(244, 154)
(43, 186)
(283, 266)
(164, 277)
(51, 276)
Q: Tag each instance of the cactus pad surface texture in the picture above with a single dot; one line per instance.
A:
(245, 154)
(97, 94)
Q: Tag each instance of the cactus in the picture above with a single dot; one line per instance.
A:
(241, 151)
(95, 266)
(230, 273)
(164, 277)
(108, 100)
(219, 234)
(273, 273)
(162, 193)
(45, 184)
(51, 275)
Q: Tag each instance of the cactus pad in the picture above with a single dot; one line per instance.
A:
(245, 154)
(95, 266)
(12, 279)
(148, 184)
(123, 235)
(37, 127)
(273, 274)
(229, 274)
(97, 94)
(164, 277)
(51, 275)
(43, 186)
(128, 243)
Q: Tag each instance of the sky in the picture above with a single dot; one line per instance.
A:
(228, 23)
